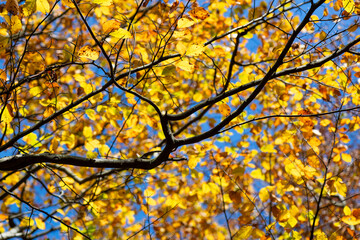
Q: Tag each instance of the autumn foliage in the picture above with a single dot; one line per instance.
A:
(124, 119)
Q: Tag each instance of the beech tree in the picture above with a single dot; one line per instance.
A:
(138, 119)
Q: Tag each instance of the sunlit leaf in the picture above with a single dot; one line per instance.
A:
(185, 23)
(349, 6)
(104, 3)
(195, 50)
(121, 33)
(14, 24)
(185, 65)
(244, 232)
(40, 224)
(89, 52)
(111, 25)
(42, 6)
(224, 109)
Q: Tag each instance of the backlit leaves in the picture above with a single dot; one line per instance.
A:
(258, 140)
(111, 25)
(14, 24)
(195, 50)
(89, 53)
(32, 6)
(185, 65)
(349, 6)
(104, 3)
(185, 23)
(121, 34)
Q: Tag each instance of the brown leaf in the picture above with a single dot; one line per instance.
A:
(12, 6)
(199, 13)
(174, 6)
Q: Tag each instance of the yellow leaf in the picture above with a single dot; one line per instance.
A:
(347, 211)
(257, 174)
(346, 157)
(185, 65)
(91, 144)
(340, 187)
(224, 109)
(350, 220)
(8, 113)
(89, 52)
(151, 202)
(268, 148)
(264, 194)
(35, 90)
(87, 132)
(197, 97)
(121, 34)
(169, 70)
(26, 222)
(320, 236)
(348, 5)
(42, 6)
(111, 25)
(199, 13)
(149, 192)
(193, 161)
(244, 232)
(31, 139)
(14, 24)
(104, 3)
(90, 154)
(87, 87)
(181, 48)
(40, 223)
(68, 3)
(185, 23)
(195, 50)
(292, 221)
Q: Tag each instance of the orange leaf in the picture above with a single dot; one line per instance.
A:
(111, 25)
(199, 13)
(224, 109)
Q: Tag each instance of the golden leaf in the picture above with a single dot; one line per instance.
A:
(185, 65)
(111, 25)
(185, 23)
(193, 161)
(104, 3)
(89, 52)
(224, 109)
(40, 223)
(121, 33)
(195, 50)
(42, 6)
(14, 24)
(199, 13)
(8, 113)
(346, 157)
(348, 5)
(244, 232)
